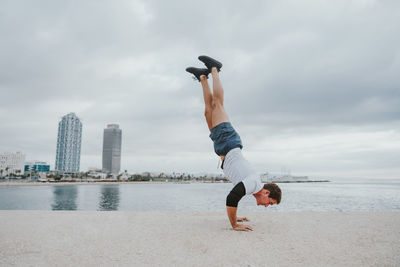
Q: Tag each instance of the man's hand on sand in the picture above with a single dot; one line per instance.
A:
(242, 219)
(242, 227)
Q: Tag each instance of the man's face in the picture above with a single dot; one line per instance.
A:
(265, 200)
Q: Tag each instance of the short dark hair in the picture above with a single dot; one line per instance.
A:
(275, 191)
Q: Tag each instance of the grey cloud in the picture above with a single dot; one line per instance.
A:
(290, 66)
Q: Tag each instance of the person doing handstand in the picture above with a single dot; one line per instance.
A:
(228, 145)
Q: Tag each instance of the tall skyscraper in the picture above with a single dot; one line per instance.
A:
(69, 139)
(112, 149)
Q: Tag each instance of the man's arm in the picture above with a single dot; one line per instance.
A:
(232, 201)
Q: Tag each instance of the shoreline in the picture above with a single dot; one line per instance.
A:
(86, 183)
(171, 238)
(294, 182)
(6, 184)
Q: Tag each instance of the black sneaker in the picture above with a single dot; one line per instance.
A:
(197, 72)
(210, 62)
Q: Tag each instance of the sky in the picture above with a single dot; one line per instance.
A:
(312, 87)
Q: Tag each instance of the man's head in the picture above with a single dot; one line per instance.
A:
(270, 194)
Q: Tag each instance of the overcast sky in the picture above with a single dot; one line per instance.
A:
(311, 86)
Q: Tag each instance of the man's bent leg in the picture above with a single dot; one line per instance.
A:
(208, 100)
(219, 114)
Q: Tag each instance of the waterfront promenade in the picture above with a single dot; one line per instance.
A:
(171, 238)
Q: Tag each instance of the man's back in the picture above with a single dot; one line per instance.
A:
(238, 169)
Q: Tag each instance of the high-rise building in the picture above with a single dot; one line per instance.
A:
(12, 163)
(112, 149)
(69, 139)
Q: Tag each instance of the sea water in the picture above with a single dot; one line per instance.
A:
(341, 195)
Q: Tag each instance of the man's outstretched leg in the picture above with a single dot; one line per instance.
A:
(202, 76)
(219, 114)
(218, 111)
(208, 100)
(214, 102)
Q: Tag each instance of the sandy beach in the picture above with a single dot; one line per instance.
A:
(131, 238)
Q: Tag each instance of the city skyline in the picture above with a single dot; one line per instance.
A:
(311, 86)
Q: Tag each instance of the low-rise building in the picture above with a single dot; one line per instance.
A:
(12, 163)
(123, 176)
(96, 173)
(37, 166)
